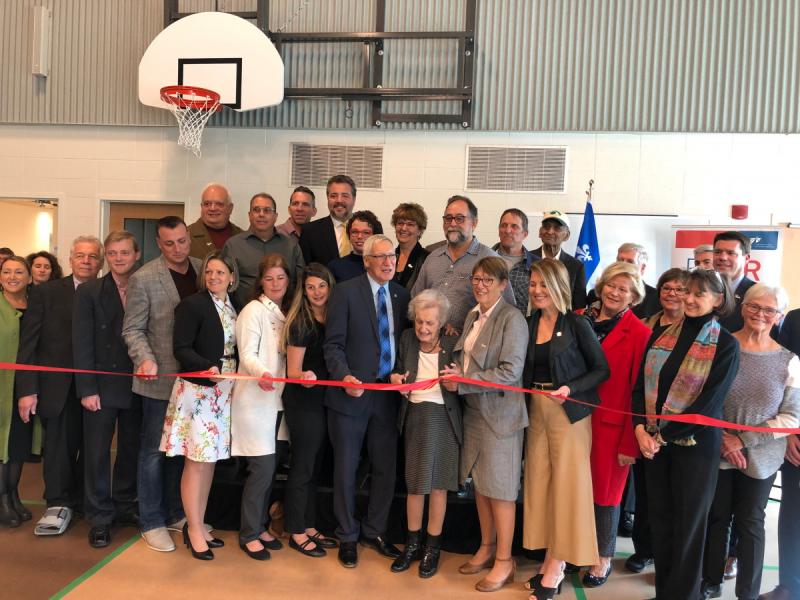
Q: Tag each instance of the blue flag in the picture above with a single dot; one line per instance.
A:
(588, 249)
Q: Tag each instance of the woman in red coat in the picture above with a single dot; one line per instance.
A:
(623, 338)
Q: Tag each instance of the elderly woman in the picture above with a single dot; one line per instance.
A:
(564, 359)
(688, 369)
(623, 338)
(44, 267)
(16, 436)
(409, 221)
(257, 403)
(197, 423)
(764, 393)
(492, 349)
(430, 422)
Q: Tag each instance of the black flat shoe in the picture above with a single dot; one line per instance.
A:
(100, 537)
(324, 542)
(348, 554)
(262, 554)
(206, 554)
(382, 546)
(274, 544)
(637, 563)
(593, 581)
(314, 552)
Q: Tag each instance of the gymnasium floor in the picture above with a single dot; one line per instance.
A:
(66, 567)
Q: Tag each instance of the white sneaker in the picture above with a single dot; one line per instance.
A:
(158, 539)
(178, 526)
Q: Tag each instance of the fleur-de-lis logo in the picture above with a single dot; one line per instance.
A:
(584, 253)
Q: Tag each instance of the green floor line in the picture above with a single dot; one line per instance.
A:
(578, 586)
(94, 569)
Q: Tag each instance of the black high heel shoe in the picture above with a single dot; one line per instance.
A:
(593, 581)
(540, 592)
(206, 554)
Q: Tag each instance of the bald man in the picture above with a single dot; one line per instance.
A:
(213, 228)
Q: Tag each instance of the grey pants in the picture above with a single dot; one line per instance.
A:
(255, 496)
(606, 520)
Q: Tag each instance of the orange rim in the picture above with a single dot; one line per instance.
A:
(200, 98)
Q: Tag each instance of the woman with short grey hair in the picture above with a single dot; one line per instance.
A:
(430, 422)
(764, 393)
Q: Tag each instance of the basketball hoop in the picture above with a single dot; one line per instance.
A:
(192, 107)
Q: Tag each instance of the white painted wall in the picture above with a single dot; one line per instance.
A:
(686, 174)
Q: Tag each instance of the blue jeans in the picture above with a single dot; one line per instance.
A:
(159, 477)
(789, 529)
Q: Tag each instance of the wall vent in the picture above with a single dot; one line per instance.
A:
(314, 164)
(516, 168)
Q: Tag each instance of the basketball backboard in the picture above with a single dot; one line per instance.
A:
(216, 51)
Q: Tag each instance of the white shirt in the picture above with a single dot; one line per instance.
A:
(427, 368)
(477, 325)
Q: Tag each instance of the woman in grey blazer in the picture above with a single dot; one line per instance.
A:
(492, 349)
(430, 422)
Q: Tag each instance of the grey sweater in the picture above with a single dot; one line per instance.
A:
(765, 392)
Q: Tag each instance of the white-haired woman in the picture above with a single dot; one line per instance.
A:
(765, 393)
(430, 422)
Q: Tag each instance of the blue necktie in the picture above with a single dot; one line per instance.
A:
(385, 365)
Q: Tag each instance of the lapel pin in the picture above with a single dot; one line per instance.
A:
(558, 334)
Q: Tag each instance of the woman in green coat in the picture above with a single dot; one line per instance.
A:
(16, 437)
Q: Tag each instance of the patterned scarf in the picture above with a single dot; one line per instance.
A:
(602, 328)
(691, 376)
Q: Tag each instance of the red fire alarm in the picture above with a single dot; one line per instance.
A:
(739, 211)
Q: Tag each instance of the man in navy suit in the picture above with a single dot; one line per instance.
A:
(731, 253)
(325, 239)
(108, 401)
(366, 316)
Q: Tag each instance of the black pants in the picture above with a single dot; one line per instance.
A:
(105, 501)
(789, 529)
(744, 499)
(680, 487)
(378, 428)
(641, 537)
(308, 430)
(62, 458)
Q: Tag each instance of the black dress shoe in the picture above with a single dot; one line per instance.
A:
(382, 546)
(348, 554)
(100, 537)
(206, 554)
(215, 543)
(411, 552)
(303, 548)
(710, 590)
(19, 507)
(625, 528)
(261, 554)
(429, 563)
(593, 581)
(636, 563)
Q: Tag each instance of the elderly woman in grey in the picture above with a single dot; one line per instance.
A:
(765, 393)
(430, 422)
(492, 349)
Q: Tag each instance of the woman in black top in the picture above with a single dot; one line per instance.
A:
(303, 334)
(409, 221)
(688, 369)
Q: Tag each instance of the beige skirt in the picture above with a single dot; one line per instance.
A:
(559, 508)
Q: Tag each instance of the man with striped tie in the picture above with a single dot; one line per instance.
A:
(366, 316)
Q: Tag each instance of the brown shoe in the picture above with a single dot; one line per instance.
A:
(470, 568)
(487, 585)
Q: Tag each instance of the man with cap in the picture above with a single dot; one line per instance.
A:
(553, 232)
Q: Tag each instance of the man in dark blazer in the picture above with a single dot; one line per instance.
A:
(325, 239)
(635, 254)
(731, 253)
(360, 346)
(108, 401)
(553, 232)
(46, 340)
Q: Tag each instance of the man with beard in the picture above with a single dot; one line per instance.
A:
(449, 268)
(325, 239)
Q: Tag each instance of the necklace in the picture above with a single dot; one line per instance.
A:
(432, 347)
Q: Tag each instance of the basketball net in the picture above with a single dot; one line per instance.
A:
(192, 107)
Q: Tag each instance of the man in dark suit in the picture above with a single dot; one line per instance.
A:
(366, 316)
(731, 253)
(636, 254)
(325, 239)
(108, 401)
(46, 340)
(553, 232)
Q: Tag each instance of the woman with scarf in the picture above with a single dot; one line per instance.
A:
(688, 369)
(623, 338)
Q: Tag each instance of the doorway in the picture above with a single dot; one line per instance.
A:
(29, 224)
(140, 219)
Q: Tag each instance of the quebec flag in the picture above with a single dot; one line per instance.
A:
(588, 249)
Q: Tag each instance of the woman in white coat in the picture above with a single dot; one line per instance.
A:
(256, 404)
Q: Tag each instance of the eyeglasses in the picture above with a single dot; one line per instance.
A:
(383, 257)
(401, 223)
(459, 219)
(754, 309)
(678, 291)
(487, 281)
(263, 210)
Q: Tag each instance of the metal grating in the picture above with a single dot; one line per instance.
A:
(313, 164)
(516, 168)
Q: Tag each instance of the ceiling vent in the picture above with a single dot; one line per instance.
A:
(313, 165)
(516, 168)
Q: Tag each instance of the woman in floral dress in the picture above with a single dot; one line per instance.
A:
(198, 422)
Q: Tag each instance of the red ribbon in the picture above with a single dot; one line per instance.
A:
(423, 384)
